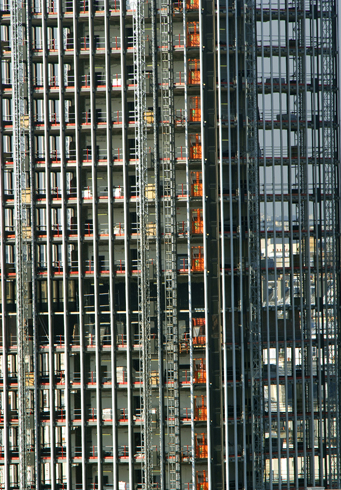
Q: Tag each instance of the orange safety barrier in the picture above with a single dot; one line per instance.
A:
(199, 371)
(196, 186)
(195, 152)
(197, 221)
(195, 109)
(194, 72)
(193, 36)
(202, 483)
(200, 446)
(200, 376)
(199, 338)
(195, 147)
(200, 409)
(192, 4)
(194, 77)
(197, 259)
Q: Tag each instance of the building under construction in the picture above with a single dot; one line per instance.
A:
(170, 257)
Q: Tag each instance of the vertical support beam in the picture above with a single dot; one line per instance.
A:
(254, 246)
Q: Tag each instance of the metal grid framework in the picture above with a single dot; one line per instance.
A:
(106, 149)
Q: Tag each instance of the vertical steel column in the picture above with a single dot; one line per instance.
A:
(79, 149)
(254, 246)
(330, 282)
(156, 159)
(110, 184)
(4, 411)
(64, 246)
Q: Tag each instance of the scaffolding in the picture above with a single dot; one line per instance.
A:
(143, 231)
(170, 237)
(28, 465)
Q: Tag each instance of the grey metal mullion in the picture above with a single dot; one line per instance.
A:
(239, 234)
(94, 157)
(285, 309)
(306, 277)
(222, 241)
(79, 238)
(242, 277)
(291, 255)
(64, 240)
(273, 202)
(230, 231)
(279, 409)
(230, 239)
(302, 281)
(125, 156)
(319, 271)
(3, 307)
(204, 213)
(188, 220)
(310, 383)
(48, 246)
(316, 186)
(324, 223)
(338, 214)
(266, 235)
(111, 241)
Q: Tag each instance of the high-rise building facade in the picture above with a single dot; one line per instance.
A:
(169, 249)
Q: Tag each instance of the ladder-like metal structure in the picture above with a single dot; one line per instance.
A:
(23, 243)
(255, 337)
(169, 220)
(143, 242)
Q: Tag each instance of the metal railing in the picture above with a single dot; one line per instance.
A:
(180, 152)
(69, 81)
(123, 452)
(186, 413)
(117, 117)
(179, 78)
(117, 80)
(182, 264)
(182, 228)
(75, 377)
(121, 376)
(119, 265)
(89, 265)
(182, 190)
(178, 40)
(53, 81)
(118, 229)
